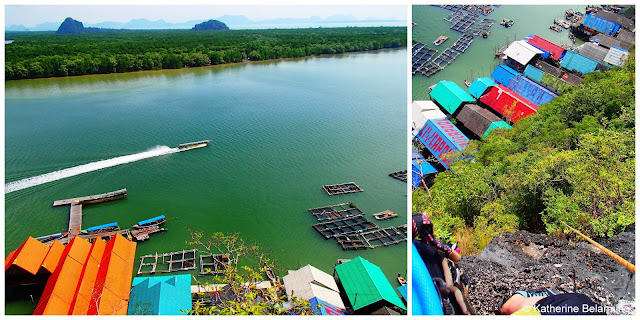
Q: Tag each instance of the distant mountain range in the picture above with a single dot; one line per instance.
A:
(233, 21)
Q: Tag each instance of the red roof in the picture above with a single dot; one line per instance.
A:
(554, 49)
(508, 103)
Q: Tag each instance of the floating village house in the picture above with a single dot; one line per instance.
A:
(85, 278)
(315, 286)
(480, 121)
(162, 295)
(366, 288)
(449, 96)
(520, 53)
(422, 111)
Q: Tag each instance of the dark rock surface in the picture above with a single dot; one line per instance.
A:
(70, 26)
(523, 260)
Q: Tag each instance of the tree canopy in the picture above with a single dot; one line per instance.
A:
(45, 54)
(572, 161)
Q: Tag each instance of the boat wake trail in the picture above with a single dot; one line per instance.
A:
(93, 166)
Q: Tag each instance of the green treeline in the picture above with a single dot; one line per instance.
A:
(45, 54)
(573, 161)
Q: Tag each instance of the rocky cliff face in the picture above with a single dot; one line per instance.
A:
(70, 26)
(210, 25)
(522, 260)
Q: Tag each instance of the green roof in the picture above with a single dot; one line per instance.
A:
(365, 284)
(450, 96)
(166, 295)
(496, 125)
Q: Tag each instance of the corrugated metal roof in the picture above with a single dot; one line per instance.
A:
(450, 96)
(617, 18)
(508, 103)
(423, 110)
(62, 285)
(476, 118)
(441, 138)
(626, 36)
(547, 68)
(423, 167)
(324, 308)
(616, 56)
(555, 50)
(531, 91)
(114, 277)
(403, 291)
(533, 73)
(87, 282)
(504, 74)
(496, 125)
(593, 51)
(577, 62)
(365, 284)
(52, 259)
(163, 295)
(308, 282)
(600, 24)
(29, 256)
(480, 86)
(609, 42)
(521, 52)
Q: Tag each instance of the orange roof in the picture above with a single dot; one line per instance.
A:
(57, 295)
(29, 256)
(82, 298)
(113, 283)
(53, 256)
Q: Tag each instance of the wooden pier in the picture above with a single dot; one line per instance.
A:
(75, 213)
(143, 234)
(333, 228)
(342, 188)
(400, 175)
(169, 262)
(337, 211)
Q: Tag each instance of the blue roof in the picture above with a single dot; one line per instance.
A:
(151, 220)
(416, 155)
(326, 309)
(403, 291)
(578, 62)
(531, 90)
(103, 226)
(423, 167)
(165, 295)
(533, 73)
(600, 24)
(415, 177)
(503, 74)
(479, 86)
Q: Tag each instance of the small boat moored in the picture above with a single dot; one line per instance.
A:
(555, 28)
(402, 281)
(51, 237)
(467, 83)
(193, 145)
(113, 226)
(384, 215)
(507, 23)
(155, 221)
(440, 40)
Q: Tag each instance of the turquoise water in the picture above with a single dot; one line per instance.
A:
(478, 60)
(279, 130)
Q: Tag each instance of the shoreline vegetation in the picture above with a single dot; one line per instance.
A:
(47, 55)
(572, 162)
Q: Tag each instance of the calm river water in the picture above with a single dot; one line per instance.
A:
(279, 130)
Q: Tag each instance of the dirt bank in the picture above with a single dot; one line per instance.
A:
(523, 260)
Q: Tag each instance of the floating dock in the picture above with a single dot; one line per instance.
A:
(342, 188)
(400, 175)
(143, 233)
(333, 228)
(337, 211)
(75, 213)
(169, 262)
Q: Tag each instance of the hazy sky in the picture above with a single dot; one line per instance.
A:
(31, 15)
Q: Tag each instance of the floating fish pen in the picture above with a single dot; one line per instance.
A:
(211, 264)
(464, 22)
(430, 69)
(384, 215)
(421, 57)
(445, 58)
(482, 27)
(342, 188)
(476, 9)
(333, 228)
(400, 175)
(416, 47)
(384, 237)
(168, 262)
(373, 239)
(352, 241)
(463, 43)
(337, 211)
